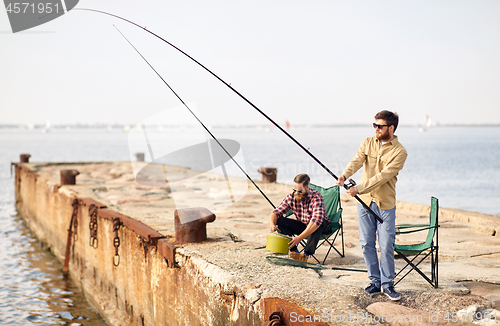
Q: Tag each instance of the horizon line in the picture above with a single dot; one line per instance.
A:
(265, 126)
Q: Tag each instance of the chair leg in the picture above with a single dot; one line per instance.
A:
(331, 245)
(316, 259)
(432, 268)
(303, 244)
(328, 252)
(341, 254)
(415, 267)
(343, 251)
(409, 263)
(435, 266)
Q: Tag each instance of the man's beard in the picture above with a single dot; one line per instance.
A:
(300, 197)
(384, 136)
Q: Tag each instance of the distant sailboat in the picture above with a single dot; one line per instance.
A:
(47, 127)
(427, 124)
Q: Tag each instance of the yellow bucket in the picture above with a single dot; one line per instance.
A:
(278, 243)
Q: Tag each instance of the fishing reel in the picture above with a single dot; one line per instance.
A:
(349, 184)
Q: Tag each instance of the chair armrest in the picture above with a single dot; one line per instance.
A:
(411, 228)
(405, 226)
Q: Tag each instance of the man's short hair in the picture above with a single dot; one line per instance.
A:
(302, 179)
(392, 118)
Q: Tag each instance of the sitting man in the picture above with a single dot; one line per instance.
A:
(309, 208)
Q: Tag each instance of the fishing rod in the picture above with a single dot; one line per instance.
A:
(204, 127)
(243, 97)
(282, 261)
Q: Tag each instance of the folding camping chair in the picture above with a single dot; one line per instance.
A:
(333, 210)
(430, 247)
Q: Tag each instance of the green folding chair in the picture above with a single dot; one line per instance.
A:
(420, 251)
(333, 209)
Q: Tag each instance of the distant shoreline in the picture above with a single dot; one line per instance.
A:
(250, 126)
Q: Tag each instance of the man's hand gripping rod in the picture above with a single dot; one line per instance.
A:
(351, 183)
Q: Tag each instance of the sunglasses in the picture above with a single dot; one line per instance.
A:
(299, 191)
(376, 126)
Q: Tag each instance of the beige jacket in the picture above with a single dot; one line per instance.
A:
(382, 165)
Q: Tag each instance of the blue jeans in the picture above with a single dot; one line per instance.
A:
(379, 274)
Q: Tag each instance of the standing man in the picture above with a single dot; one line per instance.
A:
(383, 157)
(309, 207)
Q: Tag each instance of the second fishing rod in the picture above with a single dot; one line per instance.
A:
(346, 186)
(202, 124)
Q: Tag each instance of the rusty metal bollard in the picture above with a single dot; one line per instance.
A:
(68, 177)
(191, 224)
(24, 158)
(268, 174)
(140, 157)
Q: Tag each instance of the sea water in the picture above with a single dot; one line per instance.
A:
(458, 165)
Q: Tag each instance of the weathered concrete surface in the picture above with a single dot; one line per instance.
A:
(222, 282)
(481, 223)
(486, 290)
(394, 314)
(142, 289)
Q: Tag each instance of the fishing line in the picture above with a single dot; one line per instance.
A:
(243, 97)
(204, 127)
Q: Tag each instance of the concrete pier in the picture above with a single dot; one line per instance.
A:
(146, 278)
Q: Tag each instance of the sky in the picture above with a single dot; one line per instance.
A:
(314, 62)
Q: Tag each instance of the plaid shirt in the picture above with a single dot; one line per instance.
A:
(312, 209)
